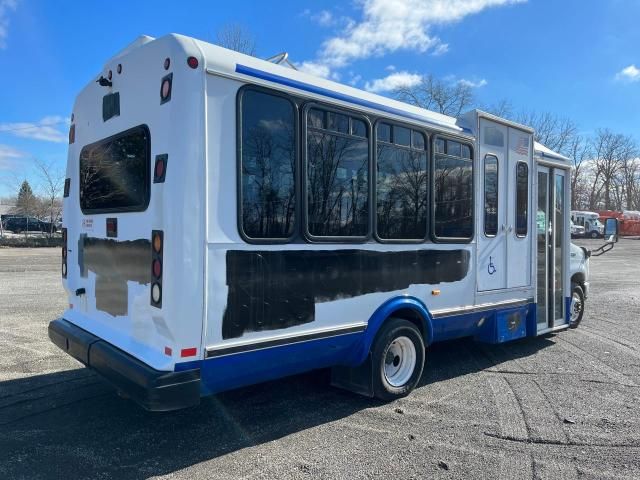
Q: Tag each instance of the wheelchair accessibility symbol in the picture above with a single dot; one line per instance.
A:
(491, 268)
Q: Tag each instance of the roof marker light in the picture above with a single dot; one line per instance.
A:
(110, 74)
(167, 63)
(192, 62)
(119, 69)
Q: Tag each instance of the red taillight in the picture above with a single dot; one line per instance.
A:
(157, 246)
(157, 268)
(64, 253)
(192, 62)
(72, 133)
(165, 88)
(160, 168)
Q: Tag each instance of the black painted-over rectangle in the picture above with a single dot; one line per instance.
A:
(270, 290)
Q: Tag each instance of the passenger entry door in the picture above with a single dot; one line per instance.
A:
(551, 212)
(491, 237)
(504, 249)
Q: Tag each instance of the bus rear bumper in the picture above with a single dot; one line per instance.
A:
(154, 390)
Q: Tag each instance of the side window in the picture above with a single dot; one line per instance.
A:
(337, 175)
(267, 166)
(401, 186)
(452, 185)
(490, 196)
(522, 199)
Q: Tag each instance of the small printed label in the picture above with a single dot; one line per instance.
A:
(87, 224)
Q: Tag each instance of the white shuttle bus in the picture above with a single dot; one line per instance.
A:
(228, 221)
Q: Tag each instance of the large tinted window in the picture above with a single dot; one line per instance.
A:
(522, 198)
(453, 190)
(337, 175)
(490, 195)
(401, 184)
(267, 166)
(115, 173)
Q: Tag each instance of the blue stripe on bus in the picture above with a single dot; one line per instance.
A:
(261, 74)
(247, 368)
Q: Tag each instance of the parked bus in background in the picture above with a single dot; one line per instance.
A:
(593, 227)
(228, 221)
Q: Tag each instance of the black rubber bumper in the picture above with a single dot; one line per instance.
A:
(154, 390)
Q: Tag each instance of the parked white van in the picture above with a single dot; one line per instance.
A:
(590, 221)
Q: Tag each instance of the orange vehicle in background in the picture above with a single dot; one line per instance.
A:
(629, 221)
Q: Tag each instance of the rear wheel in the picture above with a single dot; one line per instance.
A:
(594, 234)
(397, 358)
(577, 305)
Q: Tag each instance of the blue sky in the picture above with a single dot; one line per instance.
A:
(575, 58)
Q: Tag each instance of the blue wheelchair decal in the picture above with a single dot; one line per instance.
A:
(491, 268)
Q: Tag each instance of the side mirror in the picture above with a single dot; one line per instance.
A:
(611, 229)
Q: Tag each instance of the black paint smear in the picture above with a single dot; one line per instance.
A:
(270, 290)
(114, 263)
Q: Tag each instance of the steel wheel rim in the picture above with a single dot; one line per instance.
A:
(400, 360)
(576, 306)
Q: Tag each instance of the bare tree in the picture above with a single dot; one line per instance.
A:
(52, 185)
(435, 94)
(610, 152)
(502, 108)
(579, 150)
(554, 132)
(235, 37)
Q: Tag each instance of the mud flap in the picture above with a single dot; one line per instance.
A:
(355, 379)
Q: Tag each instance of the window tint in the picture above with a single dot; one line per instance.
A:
(490, 195)
(401, 136)
(401, 192)
(453, 194)
(493, 136)
(440, 145)
(268, 165)
(358, 128)
(337, 184)
(384, 132)
(115, 173)
(418, 141)
(316, 118)
(337, 122)
(522, 198)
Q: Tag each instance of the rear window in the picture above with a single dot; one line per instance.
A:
(115, 173)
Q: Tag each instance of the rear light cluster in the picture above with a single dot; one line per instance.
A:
(165, 88)
(64, 253)
(157, 246)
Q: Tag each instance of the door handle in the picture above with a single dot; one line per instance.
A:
(504, 227)
(510, 228)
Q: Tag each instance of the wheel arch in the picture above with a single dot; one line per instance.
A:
(405, 307)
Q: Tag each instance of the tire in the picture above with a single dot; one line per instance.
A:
(397, 359)
(577, 305)
(593, 234)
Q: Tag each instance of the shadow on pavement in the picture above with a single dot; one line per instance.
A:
(72, 425)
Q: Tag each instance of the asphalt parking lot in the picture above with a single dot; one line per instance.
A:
(561, 406)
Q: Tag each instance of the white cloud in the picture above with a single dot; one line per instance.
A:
(391, 25)
(8, 155)
(324, 18)
(6, 7)
(393, 81)
(440, 49)
(47, 129)
(313, 68)
(472, 84)
(629, 74)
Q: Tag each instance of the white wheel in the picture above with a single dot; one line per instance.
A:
(399, 361)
